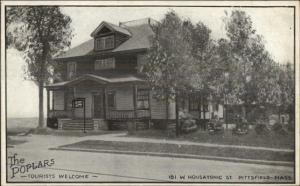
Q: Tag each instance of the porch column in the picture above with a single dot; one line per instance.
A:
(52, 100)
(73, 97)
(104, 101)
(48, 103)
(134, 100)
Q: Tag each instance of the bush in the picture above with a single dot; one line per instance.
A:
(262, 129)
(52, 123)
(279, 129)
(291, 126)
(188, 123)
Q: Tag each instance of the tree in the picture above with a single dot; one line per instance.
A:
(40, 33)
(252, 63)
(169, 61)
(254, 77)
(286, 81)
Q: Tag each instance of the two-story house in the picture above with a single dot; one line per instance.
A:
(106, 72)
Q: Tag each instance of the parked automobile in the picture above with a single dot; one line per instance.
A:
(187, 122)
(240, 129)
(188, 126)
(215, 127)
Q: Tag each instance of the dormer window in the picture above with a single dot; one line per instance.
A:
(104, 43)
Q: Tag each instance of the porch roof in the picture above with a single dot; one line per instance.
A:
(99, 79)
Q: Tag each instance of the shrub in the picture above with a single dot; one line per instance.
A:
(291, 126)
(262, 129)
(279, 129)
(188, 123)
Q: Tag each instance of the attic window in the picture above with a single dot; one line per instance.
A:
(104, 43)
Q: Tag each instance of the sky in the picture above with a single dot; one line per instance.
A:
(274, 24)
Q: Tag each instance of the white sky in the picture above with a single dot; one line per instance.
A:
(275, 24)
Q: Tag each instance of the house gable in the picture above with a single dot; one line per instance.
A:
(129, 38)
(108, 36)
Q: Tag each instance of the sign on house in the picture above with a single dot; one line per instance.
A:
(78, 103)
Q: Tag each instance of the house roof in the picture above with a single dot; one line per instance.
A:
(106, 78)
(139, 39)
(111, 27)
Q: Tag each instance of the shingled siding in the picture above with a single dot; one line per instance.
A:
(120, 38)
(141, 60)
(158, 109)
(124, 98)
(58, 102)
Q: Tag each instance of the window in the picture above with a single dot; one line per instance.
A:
(111, 100)
(71, 68)
(142, 99)
(205, 108)
(103, 43)
(205, 105)
(193, 102)
(108, 63)
(216, 107)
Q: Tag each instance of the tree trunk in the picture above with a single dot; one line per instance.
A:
(41, 106)
(177, 116)
(244, 112)
(167, 109)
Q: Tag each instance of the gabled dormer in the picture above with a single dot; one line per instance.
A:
(108, 36)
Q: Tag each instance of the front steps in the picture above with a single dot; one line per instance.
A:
(76, 124)
(101, 124)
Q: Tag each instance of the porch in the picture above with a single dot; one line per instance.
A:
(110, 115)
(103, 100)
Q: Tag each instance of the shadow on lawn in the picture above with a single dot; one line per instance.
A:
(12, 142)
(273, 140)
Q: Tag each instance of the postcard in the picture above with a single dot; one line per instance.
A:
(149, 92)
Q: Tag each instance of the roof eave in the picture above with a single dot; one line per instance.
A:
(103, 54)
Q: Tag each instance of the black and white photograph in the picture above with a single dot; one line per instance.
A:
(149, 92)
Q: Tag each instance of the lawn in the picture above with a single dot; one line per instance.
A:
(184, 149)
(251, 139)
(17, 126)
(21, 126)
(12, 142)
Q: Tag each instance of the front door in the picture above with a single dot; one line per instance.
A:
(98, 106)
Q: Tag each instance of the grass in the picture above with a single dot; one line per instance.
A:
(12, 142)
(184, 149)
(78, 133)
(251, 139)
(17, 126)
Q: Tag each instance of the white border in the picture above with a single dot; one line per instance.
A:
(166, 3)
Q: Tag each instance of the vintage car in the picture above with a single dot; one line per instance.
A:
(215, 127)
(240, 129)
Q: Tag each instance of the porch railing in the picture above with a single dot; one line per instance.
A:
(60, 113)
(127, 114)
(111, 115)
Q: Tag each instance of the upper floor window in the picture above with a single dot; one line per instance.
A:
(71, 70)
(142, 99)
(103, 43)
(107, 63)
